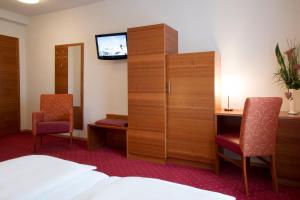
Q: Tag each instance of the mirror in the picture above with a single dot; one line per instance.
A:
(74, 73)
(69, 76)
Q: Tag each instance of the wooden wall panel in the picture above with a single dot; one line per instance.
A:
(191, 106)
(9, 85)
(147, 90)
(61, 69)
(78, 117)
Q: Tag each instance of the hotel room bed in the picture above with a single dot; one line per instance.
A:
(47, 178)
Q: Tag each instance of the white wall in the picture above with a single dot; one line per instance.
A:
(15, 29)
(13, 17)
(244, 32)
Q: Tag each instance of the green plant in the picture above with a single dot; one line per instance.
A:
(289, 66)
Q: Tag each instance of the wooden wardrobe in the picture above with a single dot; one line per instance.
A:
(171, 99)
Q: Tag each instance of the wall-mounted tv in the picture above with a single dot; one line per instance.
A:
(112, 46)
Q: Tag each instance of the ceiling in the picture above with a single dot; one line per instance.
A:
(45, 6)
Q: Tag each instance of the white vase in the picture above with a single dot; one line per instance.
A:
(292, 104)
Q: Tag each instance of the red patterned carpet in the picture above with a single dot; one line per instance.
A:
(114, 163)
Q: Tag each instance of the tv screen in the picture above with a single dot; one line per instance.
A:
(112, 46)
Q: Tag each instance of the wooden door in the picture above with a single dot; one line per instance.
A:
(190, 107)
(9, 85)
(61, 69)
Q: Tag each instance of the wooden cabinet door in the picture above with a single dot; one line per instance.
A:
(9, 85)
(190, 107)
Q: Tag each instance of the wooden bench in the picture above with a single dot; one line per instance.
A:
(102, 134)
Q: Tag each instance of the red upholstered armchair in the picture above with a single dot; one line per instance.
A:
(55, 116)
(257, 136)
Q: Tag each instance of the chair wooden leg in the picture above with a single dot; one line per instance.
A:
(217, 164)
(274, 174)
(71, 139)
(244, 168)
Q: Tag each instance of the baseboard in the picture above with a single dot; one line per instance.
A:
(74, 137)
(287, 182)
(196, 164)
(28, 131)
(146, 158)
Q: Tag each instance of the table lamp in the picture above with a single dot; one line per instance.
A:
(228, 105)
(229, 87)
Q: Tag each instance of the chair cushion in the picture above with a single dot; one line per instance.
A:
(112, 122)
(53, 127)
(230, 141)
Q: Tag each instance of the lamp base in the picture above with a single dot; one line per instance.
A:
(293, 113)
(228, 109)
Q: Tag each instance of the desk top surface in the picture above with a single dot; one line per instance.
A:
(239, 113)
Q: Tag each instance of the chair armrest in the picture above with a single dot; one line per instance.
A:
(36, 118)
(71, 120)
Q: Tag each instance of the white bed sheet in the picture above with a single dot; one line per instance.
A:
(29, 177)
(138, 188)
(26, 178)
(73, 188)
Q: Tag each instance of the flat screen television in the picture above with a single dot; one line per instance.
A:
(112, 46)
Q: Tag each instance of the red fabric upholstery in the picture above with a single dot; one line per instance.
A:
(56, 108)
(53, 127)
(230, 141)
(113, 122)
(259, 126)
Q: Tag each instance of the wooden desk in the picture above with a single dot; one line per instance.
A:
(288, 142)
(114, 136)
